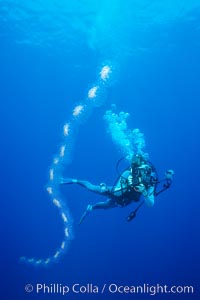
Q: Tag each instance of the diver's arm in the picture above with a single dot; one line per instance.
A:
(148, 193)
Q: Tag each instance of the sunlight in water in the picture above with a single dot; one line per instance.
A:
(102, 26)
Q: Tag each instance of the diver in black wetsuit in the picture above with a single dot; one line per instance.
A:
(138, 180)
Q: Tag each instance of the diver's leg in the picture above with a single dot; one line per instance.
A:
(86, 184)
(89, 186)
(110, 203)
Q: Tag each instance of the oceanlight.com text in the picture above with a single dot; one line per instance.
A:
(111, 288)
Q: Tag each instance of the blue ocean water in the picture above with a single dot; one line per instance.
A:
(51, 53)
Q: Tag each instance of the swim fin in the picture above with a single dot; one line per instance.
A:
(67, 180)
(86, 212)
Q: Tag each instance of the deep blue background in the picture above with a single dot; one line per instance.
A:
(160, 89)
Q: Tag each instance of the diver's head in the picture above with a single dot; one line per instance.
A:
(137, 160)
(169, 174)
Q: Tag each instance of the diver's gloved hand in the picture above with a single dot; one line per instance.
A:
(140, 188)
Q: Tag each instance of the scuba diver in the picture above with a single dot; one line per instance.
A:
(139, 179)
